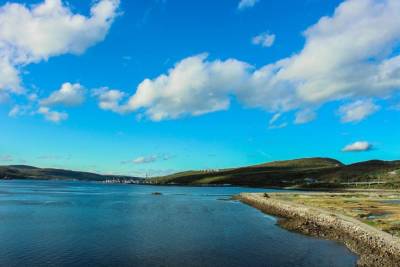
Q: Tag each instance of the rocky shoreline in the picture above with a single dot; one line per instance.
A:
(374, 247)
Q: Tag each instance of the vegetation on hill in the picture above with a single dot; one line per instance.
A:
(300, 173)
(303, 163)
(29, 172)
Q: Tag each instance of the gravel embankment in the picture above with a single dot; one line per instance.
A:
(374, 247)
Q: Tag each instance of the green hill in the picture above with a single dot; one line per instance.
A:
(29, 172)
(300, 173)
(303, 163)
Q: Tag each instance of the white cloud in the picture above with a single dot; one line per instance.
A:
(36, 33)
(18, 110)
(68, 95)
(273, 122)
(142, 160)
(196, 86)
(109, 99)
(264, 39)
(348, 54)
(357, 111)
(358, 146)
(9, 76)
(274, 118)
(193, 87)
(304, 116)
(51, 115)
(149, 159)
(243, 4)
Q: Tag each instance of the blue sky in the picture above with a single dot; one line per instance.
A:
(153, 87)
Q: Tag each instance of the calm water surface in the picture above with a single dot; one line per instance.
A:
(50, 223)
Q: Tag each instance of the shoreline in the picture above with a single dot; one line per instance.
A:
(374, 247)
(273, 187)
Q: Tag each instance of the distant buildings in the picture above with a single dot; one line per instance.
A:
(210, 170)
(121, 181)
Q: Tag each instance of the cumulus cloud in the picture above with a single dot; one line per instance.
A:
(141, 160)
(36, 33)
(68, 95)
(345, 56)
(194, 86)
(9, 76)
(110, 99)
(348, 54)
(264, 39)
(359, 146)
(52, 115)
(357, 111)
(149, 159)
(243, 4)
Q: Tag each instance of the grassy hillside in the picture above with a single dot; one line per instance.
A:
(29, 172)
(302, 173)
(303, 163)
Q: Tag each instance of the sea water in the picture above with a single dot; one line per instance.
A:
(58, 223)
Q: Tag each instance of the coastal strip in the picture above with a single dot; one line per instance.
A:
(374, 247)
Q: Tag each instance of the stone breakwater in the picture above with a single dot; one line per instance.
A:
(374, 247)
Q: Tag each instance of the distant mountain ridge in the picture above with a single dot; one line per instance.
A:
(30, 172)
(297, 173)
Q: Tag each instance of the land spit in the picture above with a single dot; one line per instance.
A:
(374, 247)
